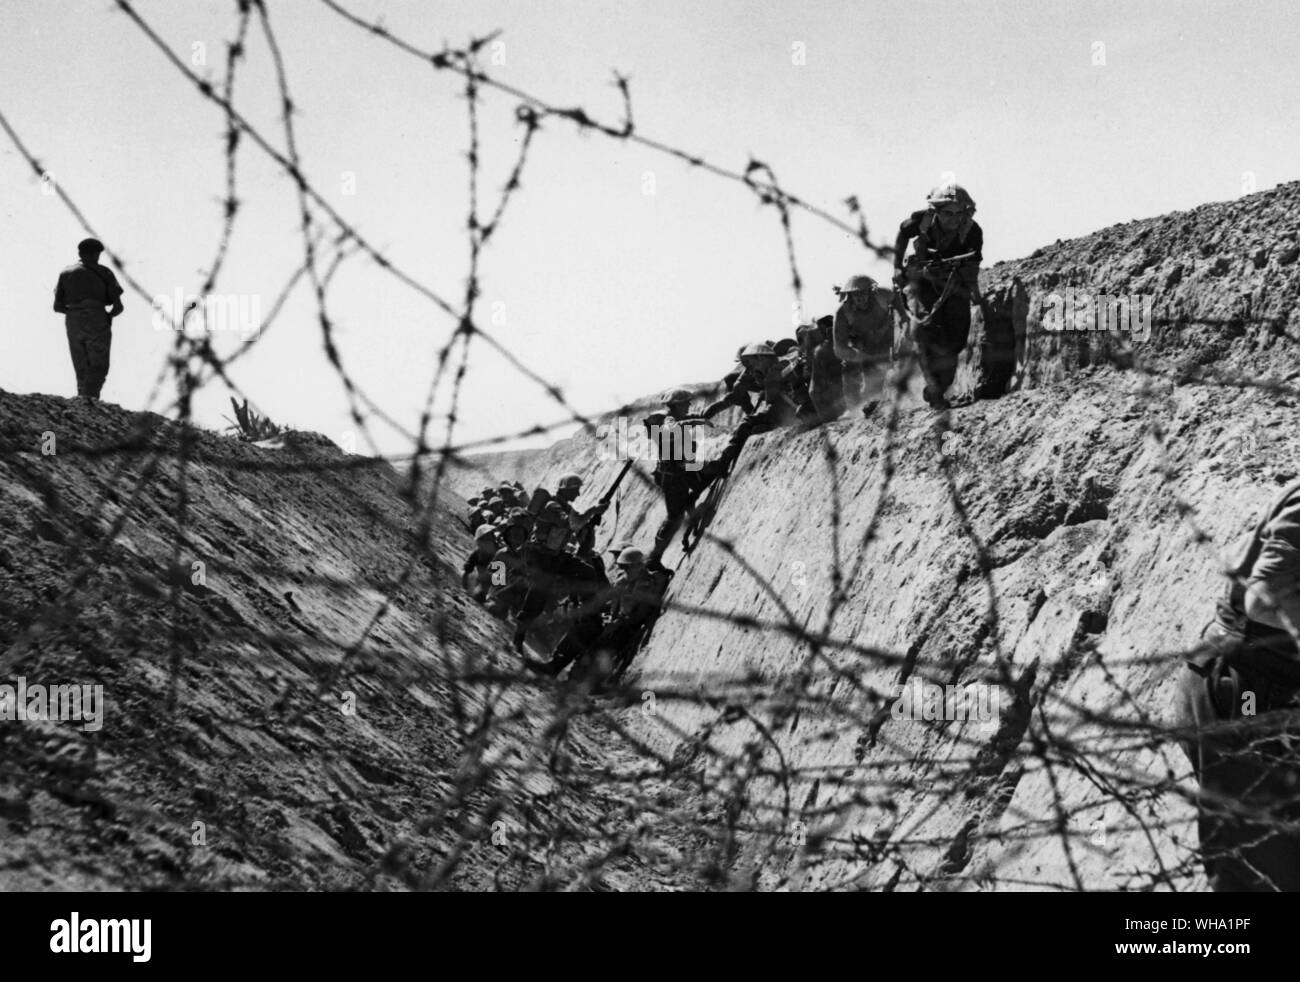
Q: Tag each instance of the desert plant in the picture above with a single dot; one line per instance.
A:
(251, 425)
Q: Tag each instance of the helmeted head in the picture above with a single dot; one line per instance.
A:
(618, 547)
(677, 401)
(951, 204)
(570, 487)
(551, 527)
(631, 561)
(485, 533)
(473, 501)
(859, 290)
(518, 526)
(90, 249)
(760, 356)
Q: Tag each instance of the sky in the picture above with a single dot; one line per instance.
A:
(616, 271)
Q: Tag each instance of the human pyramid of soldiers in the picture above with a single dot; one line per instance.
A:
(535, 554)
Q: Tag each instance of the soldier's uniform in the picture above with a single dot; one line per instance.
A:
(1248, 764)
(678, 472)
(509, 582)
(632, 602)
(82, 293)
(823, 371)
(940, 323)
(476, 574)
(863, 340)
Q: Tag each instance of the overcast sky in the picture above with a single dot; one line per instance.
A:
(617, 271)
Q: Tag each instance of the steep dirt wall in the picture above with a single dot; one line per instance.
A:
(287, 675)
(1044, 546)
(1223, 280)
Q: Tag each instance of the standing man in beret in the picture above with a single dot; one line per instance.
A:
(89, 297)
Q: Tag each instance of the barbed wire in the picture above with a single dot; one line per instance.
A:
(590, 792)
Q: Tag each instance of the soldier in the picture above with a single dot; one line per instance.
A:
(780, 398)
(508, 570)
(478, 563)
(863, 334)
(82, 293)
(611, 634)
(678, 473)
(551, 572)
(940, 279)
(823, 371)
(1237, 696)
(512, 497)
(487, 510)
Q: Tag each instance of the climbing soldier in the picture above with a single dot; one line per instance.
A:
(566, 492)
(82, 293)
(940, 279)
(1237, 697)
(476, 574)
(604, 642)
(772, 392)
(678, 472)
(552, 573)
(508, 574)
(863, 336)
(823, 371)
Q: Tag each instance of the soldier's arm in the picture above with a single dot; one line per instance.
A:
(114, 293)
(1273, 591)
(738, 396)
(60, 303)
(845, 350)
(907, 231)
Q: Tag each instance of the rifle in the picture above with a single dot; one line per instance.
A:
(949, 264)
(608, 496)
(950, 261)
(587, 536)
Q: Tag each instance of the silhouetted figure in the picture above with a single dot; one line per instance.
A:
(84, 294)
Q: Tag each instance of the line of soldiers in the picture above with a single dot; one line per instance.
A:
(539, 560)
(532, 556)
(838, 361)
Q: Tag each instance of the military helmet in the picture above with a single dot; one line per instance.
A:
(674, 396)
(630, 557)
(570, 481)
(90, 245)
(856, 283)
(484, 532)
(552, 514)
(473, 501)
(757, 350)
(950, 194)
(618, 548)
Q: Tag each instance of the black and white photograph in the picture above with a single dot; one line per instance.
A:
(685, 447)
